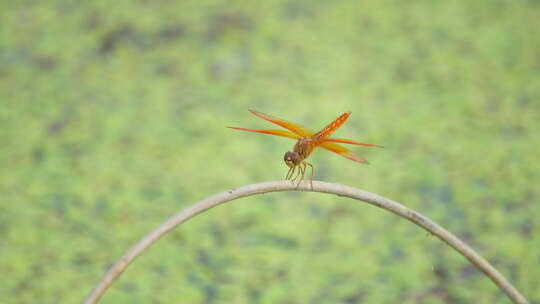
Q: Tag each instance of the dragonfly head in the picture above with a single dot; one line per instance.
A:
(292, 159)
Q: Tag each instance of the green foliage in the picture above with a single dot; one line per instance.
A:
(113, 115)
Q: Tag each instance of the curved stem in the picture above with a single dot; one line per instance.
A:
(114, 272)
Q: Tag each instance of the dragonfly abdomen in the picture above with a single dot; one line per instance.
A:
(329, 129)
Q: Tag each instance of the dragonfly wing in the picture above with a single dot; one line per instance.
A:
(295, 128)
(342, 151)
(348, 141)
(333, 126)
(281, 133)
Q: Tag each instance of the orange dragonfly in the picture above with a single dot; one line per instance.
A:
(307, 142)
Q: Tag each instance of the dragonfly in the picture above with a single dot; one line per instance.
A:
(307, 141)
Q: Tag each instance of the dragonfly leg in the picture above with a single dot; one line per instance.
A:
(311, 177)
(290, 173)
(297, 174)
(302, 171)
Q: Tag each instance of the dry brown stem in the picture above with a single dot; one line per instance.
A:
(114, 272)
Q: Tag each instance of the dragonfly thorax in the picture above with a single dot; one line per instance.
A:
(292, 159)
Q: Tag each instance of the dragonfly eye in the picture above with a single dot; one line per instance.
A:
(291, 158)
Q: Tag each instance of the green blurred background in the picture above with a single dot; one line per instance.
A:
(113, 115)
